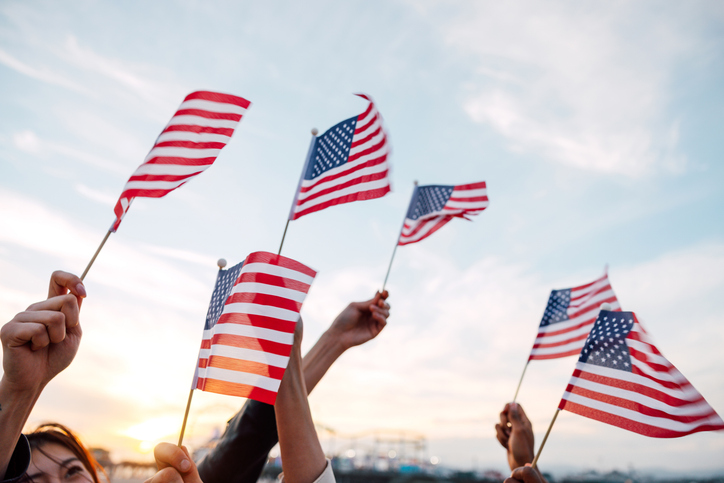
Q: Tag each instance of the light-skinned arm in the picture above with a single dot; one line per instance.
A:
(38, 343)
(358, 323)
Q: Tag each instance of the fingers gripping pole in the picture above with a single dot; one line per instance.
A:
(545, 438)
(85, 272)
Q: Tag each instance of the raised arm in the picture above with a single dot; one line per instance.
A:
(37, 345)
(303, 460)
(515, 434)
(241, 453)
(358, 323)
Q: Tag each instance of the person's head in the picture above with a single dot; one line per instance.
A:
(59, 456)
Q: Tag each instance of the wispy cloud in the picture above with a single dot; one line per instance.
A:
(42, 74)
(585, 87)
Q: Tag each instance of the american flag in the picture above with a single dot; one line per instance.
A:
(347, 163)
(189, 144)
(250, 325)
(434, 205)
(622, 379)
(568, 318)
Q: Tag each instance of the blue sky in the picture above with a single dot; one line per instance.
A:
(596, 126)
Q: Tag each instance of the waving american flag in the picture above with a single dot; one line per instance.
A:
(622, 379)
(189, 144)
(568, 318)
(250, 325)
(433, 206)
(347, 163)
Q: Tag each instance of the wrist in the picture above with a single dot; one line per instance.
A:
(332, 341)
(19, 393)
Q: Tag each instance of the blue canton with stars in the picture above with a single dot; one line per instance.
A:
(557, 308)
(224, 285)
(429, 199)
(331, 149)
(606, 344)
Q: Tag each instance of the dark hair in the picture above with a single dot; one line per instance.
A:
(58, 434)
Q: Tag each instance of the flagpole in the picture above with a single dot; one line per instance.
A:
(85, 272)
(221, 263)
(299, 186)
(543, 443)
(186, 417)
(394, 250)
(520, 381)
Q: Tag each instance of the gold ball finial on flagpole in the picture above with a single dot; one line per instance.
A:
(314, 131)
(221, 263)
(606, 306)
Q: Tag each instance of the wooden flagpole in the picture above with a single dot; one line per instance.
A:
(299, 186)
(85, 272)
(221, 264)
(389, 267)
(520, 381)
(545, 438)
(186, 416)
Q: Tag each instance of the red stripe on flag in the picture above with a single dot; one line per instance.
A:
(635, 426)
(359, 196)
(261, 321)
(190, 145)
(250, 367)
(357, 142)
(370, 150)
(542, 357)
(270, 258)
(634, 387)
(219, 97)
(251, 343)
(439, 223)
(229, 116)
(468, 200)
(470, 186)
(353, 182)
(341, 174)
(267, 279)
(236, 389)
(223, 131)
(180, 160)
(264, 299)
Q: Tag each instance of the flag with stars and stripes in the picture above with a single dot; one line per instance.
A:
(622, 379)
(347, 163)
(568, 318)
(434, 205)
(250, 325)
(190, 143)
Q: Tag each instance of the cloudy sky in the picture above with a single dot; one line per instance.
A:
(597, 127)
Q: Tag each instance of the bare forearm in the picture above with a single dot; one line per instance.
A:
(320, 358)
(302, 457)
(15, 409)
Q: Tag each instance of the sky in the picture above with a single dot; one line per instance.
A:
(597, 127)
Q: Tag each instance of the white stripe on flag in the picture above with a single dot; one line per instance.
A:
(278, 271)
(250, 331)
(257, 309)
(245, 354)
(263, 288)
(237, 377)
